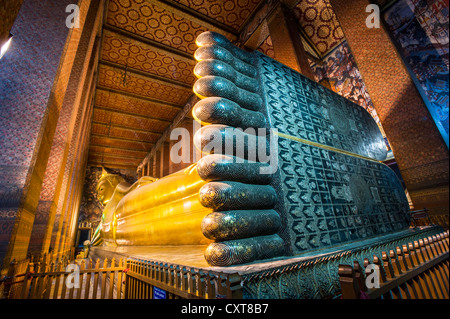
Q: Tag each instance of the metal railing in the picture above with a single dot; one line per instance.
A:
(418, 270)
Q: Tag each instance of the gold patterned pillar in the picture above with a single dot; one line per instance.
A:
(80, 83)
(286, 41)
(419, 149)
(81, 144)
(37, 80)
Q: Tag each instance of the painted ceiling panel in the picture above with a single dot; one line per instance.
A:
(317, 19)
(232, 13)
(107, 117)
(141, 56)
(107, 130)
(119, 102)
(134, 83)
(155, 23)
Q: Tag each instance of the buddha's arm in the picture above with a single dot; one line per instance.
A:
(96, 238)
(167, 211)
(106, 227)
(125, 188)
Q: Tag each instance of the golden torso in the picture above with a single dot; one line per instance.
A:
(162, 212)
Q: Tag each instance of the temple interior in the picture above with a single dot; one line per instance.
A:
(116, 118)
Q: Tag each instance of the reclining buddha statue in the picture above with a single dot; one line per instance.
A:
(322, 185)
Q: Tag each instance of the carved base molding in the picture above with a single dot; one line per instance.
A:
(317, 277)
(308, 276)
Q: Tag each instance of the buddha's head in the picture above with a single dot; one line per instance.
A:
(106, 186)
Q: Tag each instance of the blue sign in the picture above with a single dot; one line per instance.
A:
(158, 293)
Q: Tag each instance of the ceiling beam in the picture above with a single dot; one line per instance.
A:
(102, 40)
(145, 74)
(112, 161)
(118, 148)
(149, 42)
(101, 151)
(111, 165)
(106, 161)
(122, 139)
(145, 117)
(129, 128)
(113, 155)
(139, 97)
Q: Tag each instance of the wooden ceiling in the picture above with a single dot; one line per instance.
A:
(145, 73)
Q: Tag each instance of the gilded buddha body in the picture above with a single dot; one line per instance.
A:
(151, 211)
(203, 204)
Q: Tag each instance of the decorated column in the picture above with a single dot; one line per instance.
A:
(419, 149)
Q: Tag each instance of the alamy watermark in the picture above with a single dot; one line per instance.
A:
(73, 279)
(373, 19)
(73, 19)
(254, 145)
(373, 278)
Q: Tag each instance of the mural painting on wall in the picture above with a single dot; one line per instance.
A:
(340, 74)
(90, 208)
(420, 31)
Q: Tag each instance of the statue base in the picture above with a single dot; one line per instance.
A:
(311, 275)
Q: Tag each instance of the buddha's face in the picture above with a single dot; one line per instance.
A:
(104, 192)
